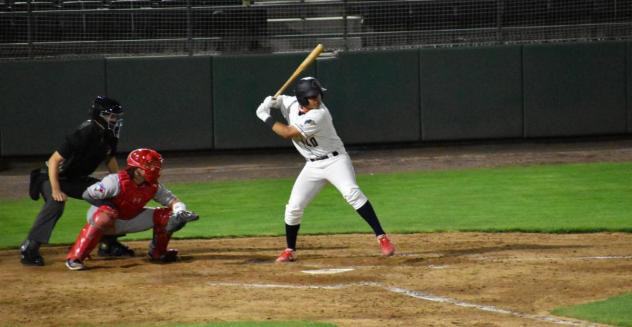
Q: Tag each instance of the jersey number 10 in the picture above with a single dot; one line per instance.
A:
(310, 142)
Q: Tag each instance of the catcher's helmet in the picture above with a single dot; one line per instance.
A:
(107, 112)
(308, 87)
(148, 160)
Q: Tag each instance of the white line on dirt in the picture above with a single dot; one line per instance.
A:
(417, 295)
(488, 308)
(484, 258)
(327, 271)
(607, 257)
(327, 287)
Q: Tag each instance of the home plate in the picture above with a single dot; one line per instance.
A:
(327, 271)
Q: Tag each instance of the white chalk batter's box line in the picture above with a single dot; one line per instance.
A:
(417, 295)
(510, 258)
(484, 258)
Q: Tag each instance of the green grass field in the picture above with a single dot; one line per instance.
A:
(547, 198)
(554, 198)
(613, 311)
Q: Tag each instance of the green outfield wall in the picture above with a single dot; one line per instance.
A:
(575, 89)
(373, 96)
(167, 101)
(471, 93)
(629, 86)
(240, 83)
(442, 94)
(41, 101)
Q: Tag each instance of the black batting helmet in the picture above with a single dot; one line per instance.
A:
(107, 112)
(308, 87)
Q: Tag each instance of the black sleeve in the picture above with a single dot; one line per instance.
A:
(113, 146)
(75, 142)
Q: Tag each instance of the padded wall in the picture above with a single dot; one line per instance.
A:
(189, 103)
(240, 83)
(574, 89)
(167, 101)
(629, 84)
(42, 101)
(373, 96)
(471, 93)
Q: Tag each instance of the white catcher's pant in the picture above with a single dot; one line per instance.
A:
(336, 170)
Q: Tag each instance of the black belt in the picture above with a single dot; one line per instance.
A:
(331, 155)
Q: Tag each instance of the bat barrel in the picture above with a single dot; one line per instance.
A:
(308, 61)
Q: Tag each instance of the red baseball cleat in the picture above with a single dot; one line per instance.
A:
(287, 255)
(387, 247)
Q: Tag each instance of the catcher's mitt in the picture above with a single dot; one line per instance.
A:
(178, 220)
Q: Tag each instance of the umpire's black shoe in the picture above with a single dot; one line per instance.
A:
(110, 247)
(29, 254)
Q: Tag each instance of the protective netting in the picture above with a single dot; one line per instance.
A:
(127, 27)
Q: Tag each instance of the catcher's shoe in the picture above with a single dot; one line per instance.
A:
(287, 255)
(386, 246)
(75, 264)
(110, 247)
(170, 256)
(29, 254)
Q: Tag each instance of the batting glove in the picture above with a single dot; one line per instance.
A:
(263, 112)
(275, 103)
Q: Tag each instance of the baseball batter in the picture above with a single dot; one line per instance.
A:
(312, 131)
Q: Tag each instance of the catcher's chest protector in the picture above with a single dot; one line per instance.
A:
(132, 198)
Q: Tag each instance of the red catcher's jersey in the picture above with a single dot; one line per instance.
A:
(132, 198)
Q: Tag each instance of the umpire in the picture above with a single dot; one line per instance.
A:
(67, 173)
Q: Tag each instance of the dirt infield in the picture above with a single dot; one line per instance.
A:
(438, 279)
(456, 279)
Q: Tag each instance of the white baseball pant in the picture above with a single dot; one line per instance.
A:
(336, 170)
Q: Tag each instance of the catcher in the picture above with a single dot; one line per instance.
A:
(118, 207)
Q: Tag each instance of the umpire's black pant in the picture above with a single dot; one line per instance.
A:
(52, 210)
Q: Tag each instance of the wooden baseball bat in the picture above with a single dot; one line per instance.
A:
(308, 61)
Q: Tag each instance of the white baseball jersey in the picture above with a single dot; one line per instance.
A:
(318, 144)
(319, 137)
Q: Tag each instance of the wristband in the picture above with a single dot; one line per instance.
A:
(179, 206)
(270, 121)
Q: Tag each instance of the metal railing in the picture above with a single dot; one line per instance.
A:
(40, 29)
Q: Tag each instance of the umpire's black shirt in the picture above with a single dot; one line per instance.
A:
(85, 148)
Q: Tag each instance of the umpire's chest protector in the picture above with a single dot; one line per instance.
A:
(132, 197)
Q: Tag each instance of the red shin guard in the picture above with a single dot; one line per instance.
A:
(90, 235)
(86, 242)
(161, 238)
